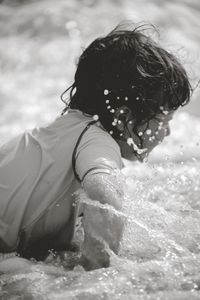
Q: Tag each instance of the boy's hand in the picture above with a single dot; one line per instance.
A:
(103, 226)
(94, 254)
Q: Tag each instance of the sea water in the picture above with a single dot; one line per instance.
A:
(159, 256)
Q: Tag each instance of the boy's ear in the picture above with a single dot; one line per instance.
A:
(123, 114)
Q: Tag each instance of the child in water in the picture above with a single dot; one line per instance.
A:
(125, 92)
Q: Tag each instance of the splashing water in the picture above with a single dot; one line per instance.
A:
(159, 255)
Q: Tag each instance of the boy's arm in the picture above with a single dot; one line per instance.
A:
(103, 222)
(105, 188)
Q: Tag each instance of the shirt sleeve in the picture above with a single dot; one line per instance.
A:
(97, 153)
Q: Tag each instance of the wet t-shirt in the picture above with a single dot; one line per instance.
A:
(37, 182)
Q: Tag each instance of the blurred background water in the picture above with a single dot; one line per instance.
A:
(40, 41)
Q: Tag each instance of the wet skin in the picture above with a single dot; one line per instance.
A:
(153, 133)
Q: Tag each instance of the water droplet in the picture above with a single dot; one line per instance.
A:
(95, 117)
(165, 112)
(106, 92)
(148, 131)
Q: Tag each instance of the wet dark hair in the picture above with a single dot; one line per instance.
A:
(135, 70)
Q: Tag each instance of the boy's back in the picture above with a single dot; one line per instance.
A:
(37, 179)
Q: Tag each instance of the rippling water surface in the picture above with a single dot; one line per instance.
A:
(160, 251)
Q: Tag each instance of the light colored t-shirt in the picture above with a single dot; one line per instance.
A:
(37, 181)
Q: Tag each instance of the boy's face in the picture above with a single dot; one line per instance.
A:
(152, 134)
